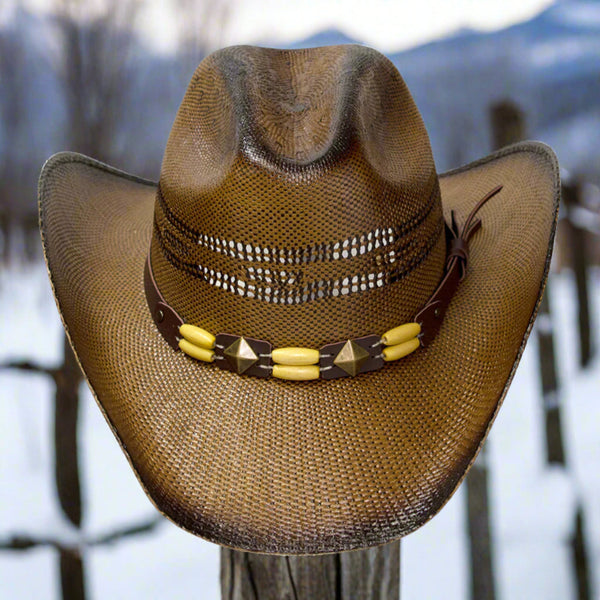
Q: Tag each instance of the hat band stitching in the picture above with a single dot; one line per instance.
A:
(284, 293)
(325, 252)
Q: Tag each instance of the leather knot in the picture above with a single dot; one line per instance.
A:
(459, 248)
(431, 315)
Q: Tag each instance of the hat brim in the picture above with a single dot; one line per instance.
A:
(267, 465)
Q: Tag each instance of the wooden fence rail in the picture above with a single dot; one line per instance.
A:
(71, 561)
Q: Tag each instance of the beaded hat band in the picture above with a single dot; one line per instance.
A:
(249, 356)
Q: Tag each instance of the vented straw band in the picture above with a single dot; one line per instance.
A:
(340, 359)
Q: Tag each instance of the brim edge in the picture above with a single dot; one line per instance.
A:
(537, 148)
(526, 146)
(54, 161)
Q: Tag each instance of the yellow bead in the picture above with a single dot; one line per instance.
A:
(401, 334)
(197, 336)
(400, 350)
(296, 373)
(295, 356)
(196, 352)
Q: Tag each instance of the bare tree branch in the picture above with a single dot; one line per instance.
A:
(202, 24)
(12, 118)
(93, 65)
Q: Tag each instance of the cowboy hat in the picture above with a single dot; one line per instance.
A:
(300, 335)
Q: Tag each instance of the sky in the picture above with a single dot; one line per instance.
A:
(387, 25)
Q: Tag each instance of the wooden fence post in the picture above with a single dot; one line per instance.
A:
(479, 531)
(67, 378)
(66, 468)
(579, 260)
(508, 127)
(372, 574)
(506, 123)
(4, 236)
(555, 452)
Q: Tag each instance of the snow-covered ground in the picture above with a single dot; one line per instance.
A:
(532, 506)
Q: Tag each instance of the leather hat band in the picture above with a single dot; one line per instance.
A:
(339, 359)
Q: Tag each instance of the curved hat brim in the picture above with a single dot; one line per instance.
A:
(267, 465)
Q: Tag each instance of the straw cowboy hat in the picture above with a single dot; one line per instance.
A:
(300, 335)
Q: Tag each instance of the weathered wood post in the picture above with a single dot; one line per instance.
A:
(579, 260)
(66, 468)
(508, 127)
(66, 378)
(372, 574)
(479, 531)
(31, 235)
(506, 123)
(4, 233)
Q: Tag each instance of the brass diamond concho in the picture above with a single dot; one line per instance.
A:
(349, 358)
(243, 355)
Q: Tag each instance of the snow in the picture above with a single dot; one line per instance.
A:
(532, 506)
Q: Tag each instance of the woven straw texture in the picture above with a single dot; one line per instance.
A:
(288, 166)
(292, 153)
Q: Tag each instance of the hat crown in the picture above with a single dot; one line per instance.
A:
(298, 199)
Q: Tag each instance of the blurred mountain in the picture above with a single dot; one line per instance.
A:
(549, 66)
(328, 37)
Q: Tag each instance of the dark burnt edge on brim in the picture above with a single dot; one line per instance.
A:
(521, 147)
(533, 147)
